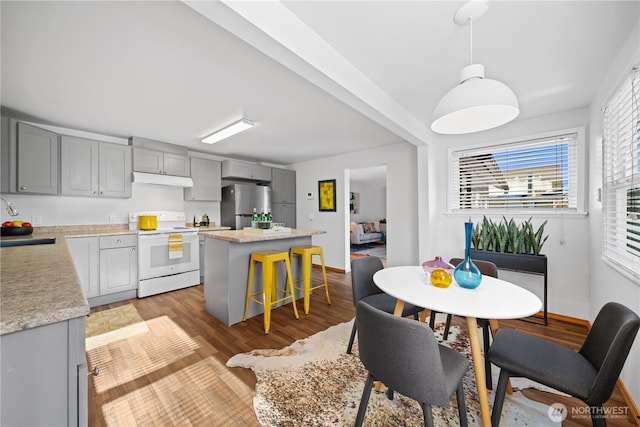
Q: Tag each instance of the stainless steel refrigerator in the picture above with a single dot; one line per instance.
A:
(238, 202)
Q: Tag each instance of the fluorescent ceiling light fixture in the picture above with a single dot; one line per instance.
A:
(232, 129)
(476, 104)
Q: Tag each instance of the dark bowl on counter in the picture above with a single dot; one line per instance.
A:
(16, 231)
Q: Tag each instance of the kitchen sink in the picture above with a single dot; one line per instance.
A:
(27, 241)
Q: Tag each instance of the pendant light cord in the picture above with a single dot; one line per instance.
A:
(471, 40)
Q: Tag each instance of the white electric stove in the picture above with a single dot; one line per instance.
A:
(159, 268)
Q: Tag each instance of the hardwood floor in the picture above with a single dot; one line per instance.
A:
(189, 384)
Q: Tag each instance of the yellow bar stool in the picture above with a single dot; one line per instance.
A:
(269, 258)
(306, 252)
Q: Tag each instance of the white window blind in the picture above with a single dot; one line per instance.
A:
(538, 174)
(621, 178)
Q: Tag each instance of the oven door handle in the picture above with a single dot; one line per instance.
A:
(165, 236)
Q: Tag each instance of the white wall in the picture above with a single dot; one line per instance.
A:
(568, 269)
(373, 200)
(606, 283)
(402, 206)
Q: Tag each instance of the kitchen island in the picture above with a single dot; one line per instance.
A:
(228, 254)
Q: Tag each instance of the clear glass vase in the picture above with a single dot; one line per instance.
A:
(466, 274)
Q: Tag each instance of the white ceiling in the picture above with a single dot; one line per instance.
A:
(319, 78)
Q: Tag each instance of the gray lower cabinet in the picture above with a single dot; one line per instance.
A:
(107, 267)
(44, 376)
(207, 183)
(37, 160)
(84, 251)
(118, 264)
(202, 258)
(93, 168)
(284, 213)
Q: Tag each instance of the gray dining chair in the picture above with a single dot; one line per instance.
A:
(487, 268)
(364, 289)
(589, 374)
(406, 357)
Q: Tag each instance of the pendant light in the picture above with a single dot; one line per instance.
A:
(477, 103)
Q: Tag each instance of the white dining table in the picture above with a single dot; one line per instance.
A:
(494, 299)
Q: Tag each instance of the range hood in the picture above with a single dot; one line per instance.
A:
(167, 180)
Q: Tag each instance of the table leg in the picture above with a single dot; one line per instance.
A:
(399, 308)
(478, 366)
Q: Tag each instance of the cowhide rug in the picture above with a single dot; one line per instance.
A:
(313, 382)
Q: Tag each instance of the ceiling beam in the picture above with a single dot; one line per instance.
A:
(274, 30)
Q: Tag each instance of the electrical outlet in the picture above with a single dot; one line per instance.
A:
(113, 219)
(36, 220)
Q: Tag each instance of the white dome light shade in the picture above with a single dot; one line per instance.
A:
(476, 104)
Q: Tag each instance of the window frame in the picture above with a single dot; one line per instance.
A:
(615, 182)
(581, 178)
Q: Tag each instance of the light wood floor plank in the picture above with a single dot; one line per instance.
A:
(176, 374)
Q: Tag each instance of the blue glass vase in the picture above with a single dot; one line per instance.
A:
(466, 274)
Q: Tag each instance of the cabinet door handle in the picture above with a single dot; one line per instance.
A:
(118, 241)
(23, 188)
(133, 250)
(95, 193)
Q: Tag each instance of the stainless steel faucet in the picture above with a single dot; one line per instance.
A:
(10, 209)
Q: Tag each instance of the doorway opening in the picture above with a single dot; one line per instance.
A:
(367, 212)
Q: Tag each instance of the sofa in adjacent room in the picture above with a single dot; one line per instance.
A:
(365, 232)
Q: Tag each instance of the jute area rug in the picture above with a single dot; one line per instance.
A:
(314, 382)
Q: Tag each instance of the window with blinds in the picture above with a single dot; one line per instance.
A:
(621, 177)
(534, 175)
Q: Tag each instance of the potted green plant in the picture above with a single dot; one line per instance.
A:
(510, 245)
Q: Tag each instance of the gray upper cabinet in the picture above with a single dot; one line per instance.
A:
(150, 161)
(261, 173)
(283, 185)
(155, 161)
(78, 166)
(245, 170)
(207, 184)
(175, 164)
(283, 196)
(37, 160)
(115, 170)
(5, 167)
(93, 168)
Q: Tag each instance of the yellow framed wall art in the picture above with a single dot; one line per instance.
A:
(327, 195)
